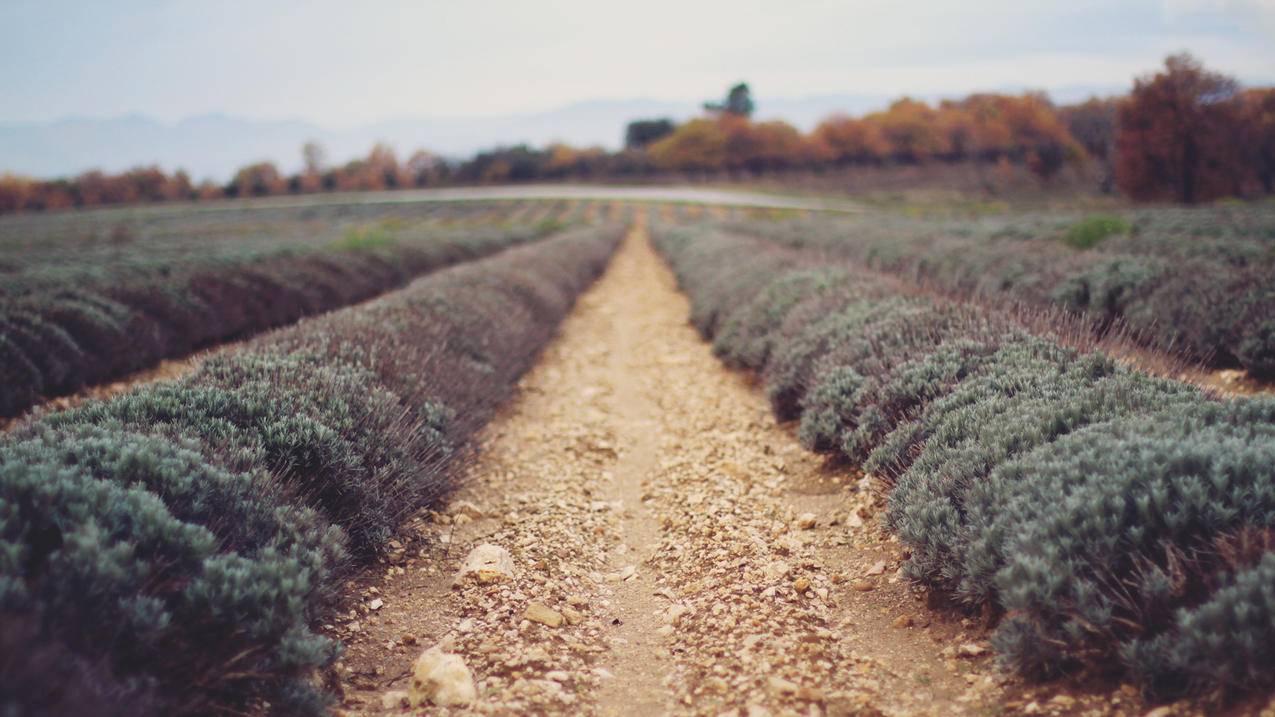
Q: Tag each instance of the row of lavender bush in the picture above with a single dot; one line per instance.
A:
(1112, 518)
(171, 550)
(63, 332)
(1199, 282)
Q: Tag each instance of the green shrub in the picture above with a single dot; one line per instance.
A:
(1090, 231)
(744, 340)
(104, 567)
(363, 239)
(1113, 540)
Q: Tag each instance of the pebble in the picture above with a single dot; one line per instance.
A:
(543, 614)
(487, 563)
(971, 649)
(395, 699)
(441, 679)
(466, 508)
(781, 685)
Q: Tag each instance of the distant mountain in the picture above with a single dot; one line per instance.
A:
(214, 145)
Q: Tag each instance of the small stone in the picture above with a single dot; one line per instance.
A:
(442, 679)
(395, 699)
(543, 614)
(487, 563)
(902, 621)
(801, 584)
(557, 676)
(877, 568)
(971, 649)
(1063, 701)
(675, 613)
(863, 586)
(807, 521)
(376, 604)
(466, 508)
(461, 519)
(1164, 711)
(776, 570)
(781, 686)
(573, 616)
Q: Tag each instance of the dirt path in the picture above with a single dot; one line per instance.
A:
(673, 551)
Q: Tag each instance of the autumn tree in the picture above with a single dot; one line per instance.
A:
(1174, 129)
(425, 168)
(1257, 134)
(912, 129)
(847, 140)
(257, 180)
(1093, 124)
(697, 145)
(313, 159)
(15, 192)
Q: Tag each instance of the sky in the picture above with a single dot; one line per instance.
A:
(342, 63)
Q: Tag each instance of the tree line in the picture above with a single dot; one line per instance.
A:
(1183, 134)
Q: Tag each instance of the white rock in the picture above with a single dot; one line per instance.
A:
(807, 521)
(971, 649)
(488, 563)
(776, 570)
(466, 508)
(780, 685)
(376, 604)
(675, 613)
(442, 679)
(395, 699)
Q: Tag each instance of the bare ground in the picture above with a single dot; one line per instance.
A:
(698, 559)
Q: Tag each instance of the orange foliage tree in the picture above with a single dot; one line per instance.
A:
(1176, 136)
(1257, 134)
(697, 145)
(842, 140)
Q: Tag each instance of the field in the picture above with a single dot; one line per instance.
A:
(637, 456)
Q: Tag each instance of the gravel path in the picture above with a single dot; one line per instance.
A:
(656, 544)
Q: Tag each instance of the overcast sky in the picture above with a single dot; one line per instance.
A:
(343, 62)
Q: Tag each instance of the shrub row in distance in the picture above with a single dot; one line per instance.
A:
(57, 339)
